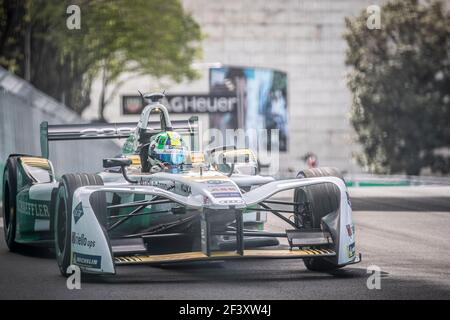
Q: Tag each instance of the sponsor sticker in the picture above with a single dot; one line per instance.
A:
(78, 212)
(222, 189)
(351, 250)
(82, 241)
(87, 260)
(33, 209)
(226, 195)
(186, 188)
(217, 182)
(350, 229)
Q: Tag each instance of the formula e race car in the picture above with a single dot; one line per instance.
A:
(159, 202)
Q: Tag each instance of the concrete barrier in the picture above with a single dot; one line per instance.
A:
(23, 108)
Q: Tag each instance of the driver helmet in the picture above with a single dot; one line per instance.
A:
(168, 147)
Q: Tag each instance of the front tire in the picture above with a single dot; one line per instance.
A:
(320, 265)
(63, 214)
(9, 204)
(324, 199)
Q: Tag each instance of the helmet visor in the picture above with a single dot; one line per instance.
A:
(174, 157)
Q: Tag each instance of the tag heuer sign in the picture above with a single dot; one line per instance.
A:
(78, 212)
(201, 104)
(185, 103)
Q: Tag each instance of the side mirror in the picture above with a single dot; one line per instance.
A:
(116, 162)
(119, 162)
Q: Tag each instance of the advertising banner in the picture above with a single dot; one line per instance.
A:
(185, 103)
(262, 99)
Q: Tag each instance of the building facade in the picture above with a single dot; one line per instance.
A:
(304, 39)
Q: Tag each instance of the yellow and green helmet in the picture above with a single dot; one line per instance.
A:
(168, 147)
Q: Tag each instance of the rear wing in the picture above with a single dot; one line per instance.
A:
(120, 130)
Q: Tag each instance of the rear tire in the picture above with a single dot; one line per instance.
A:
(320, 172)
(323, 199)
(63, 213)
(9, 204)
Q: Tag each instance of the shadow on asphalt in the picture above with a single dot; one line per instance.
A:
(210, 274)
(36, 252)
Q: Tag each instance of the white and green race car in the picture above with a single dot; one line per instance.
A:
(160, 203)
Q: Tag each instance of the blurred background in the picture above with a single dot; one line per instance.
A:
(359, 85)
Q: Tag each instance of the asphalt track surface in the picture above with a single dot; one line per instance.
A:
(405, 231)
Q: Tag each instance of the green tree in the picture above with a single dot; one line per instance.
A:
(400, 81)
(154, 37)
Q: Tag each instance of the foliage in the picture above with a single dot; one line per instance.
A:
(143, 37)
(400, 81)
